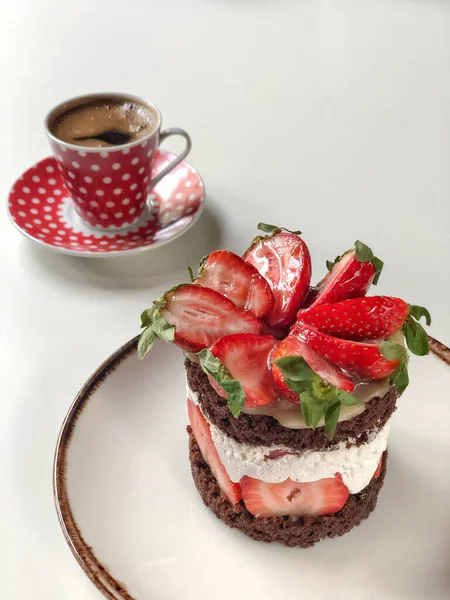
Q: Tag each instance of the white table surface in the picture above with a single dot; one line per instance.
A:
(331, 117)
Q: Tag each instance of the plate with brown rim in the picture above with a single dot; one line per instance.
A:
(135, 523)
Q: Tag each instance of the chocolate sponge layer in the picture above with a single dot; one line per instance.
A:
(289, 531)
(266, 431)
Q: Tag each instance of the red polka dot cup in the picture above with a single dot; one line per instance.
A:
(110, 185)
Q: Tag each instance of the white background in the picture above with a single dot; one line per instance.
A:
(332, 117)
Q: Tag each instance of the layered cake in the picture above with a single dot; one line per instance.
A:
(291, 387)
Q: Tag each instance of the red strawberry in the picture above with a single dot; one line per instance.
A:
(202, 316)
(348, 278)
(274, 454)
(363, 360)
(202, 434)
(293, 346)
(322, 497)
(371, 318)
(284, 261)
(378, 469)
(237, 280)
(245, 356)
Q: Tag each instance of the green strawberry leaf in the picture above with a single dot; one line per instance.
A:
(147, 316)
(235, 396)
(363, 253)
(392, 351)
(330, 263)
(347, 399)
(399, 377)
(298, 386)
(145, 343)
(295, 368)
(331, 418)
(266, 228)
(415, 335)
(318, 398)
(312, 410)
(402, 379)
(155, 326)
(306, 409)
(416, 338)
(273, 229)
(201, 266)
(191, 274)
(418, 312)
(233, 389)
(378, 264)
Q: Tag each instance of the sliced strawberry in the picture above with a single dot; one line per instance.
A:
(202, 316)
(284, 261)
(202, 434)
(274, 454)
(378, 469)
(246, 358)
(237, 280)
(322, 497)
(362, 359)
(294, 346)
(348, 278)
(371, 318)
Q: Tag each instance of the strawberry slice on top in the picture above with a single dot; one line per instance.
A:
(246, 358)
(294, 346)
(193, 318)
(364, 360)
(202, 434)
(316, 498)
(350, 276)
(237, 280)
(283, 259)
(367, 318)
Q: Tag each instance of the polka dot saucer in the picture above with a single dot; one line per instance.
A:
(40, 208)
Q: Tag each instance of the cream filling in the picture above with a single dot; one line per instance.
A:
(356, 464)
(290, 416)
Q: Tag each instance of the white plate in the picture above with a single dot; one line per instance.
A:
(136, 524)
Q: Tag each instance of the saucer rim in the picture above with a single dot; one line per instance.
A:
(112, 253)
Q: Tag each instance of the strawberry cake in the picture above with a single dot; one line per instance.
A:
(291, 387)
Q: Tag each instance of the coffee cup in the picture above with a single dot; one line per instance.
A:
(104, 145)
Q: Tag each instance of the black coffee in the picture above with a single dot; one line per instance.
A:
(104, 122)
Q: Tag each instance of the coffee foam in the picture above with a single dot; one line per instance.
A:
(131, 119)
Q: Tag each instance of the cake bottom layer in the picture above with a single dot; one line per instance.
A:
(289, 531)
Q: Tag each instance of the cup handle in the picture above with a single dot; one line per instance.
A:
(176, 161)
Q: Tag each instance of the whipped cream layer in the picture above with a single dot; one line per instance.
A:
(356, 464)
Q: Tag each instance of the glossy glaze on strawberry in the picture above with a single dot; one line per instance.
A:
(284, 261)
(294, 346)
(202, 316)
(230, 275)
(240, 317)
(246, 358)
(362, 359)
(348, 278)
(368, 318)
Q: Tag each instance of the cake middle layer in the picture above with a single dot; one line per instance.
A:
(274, 464)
